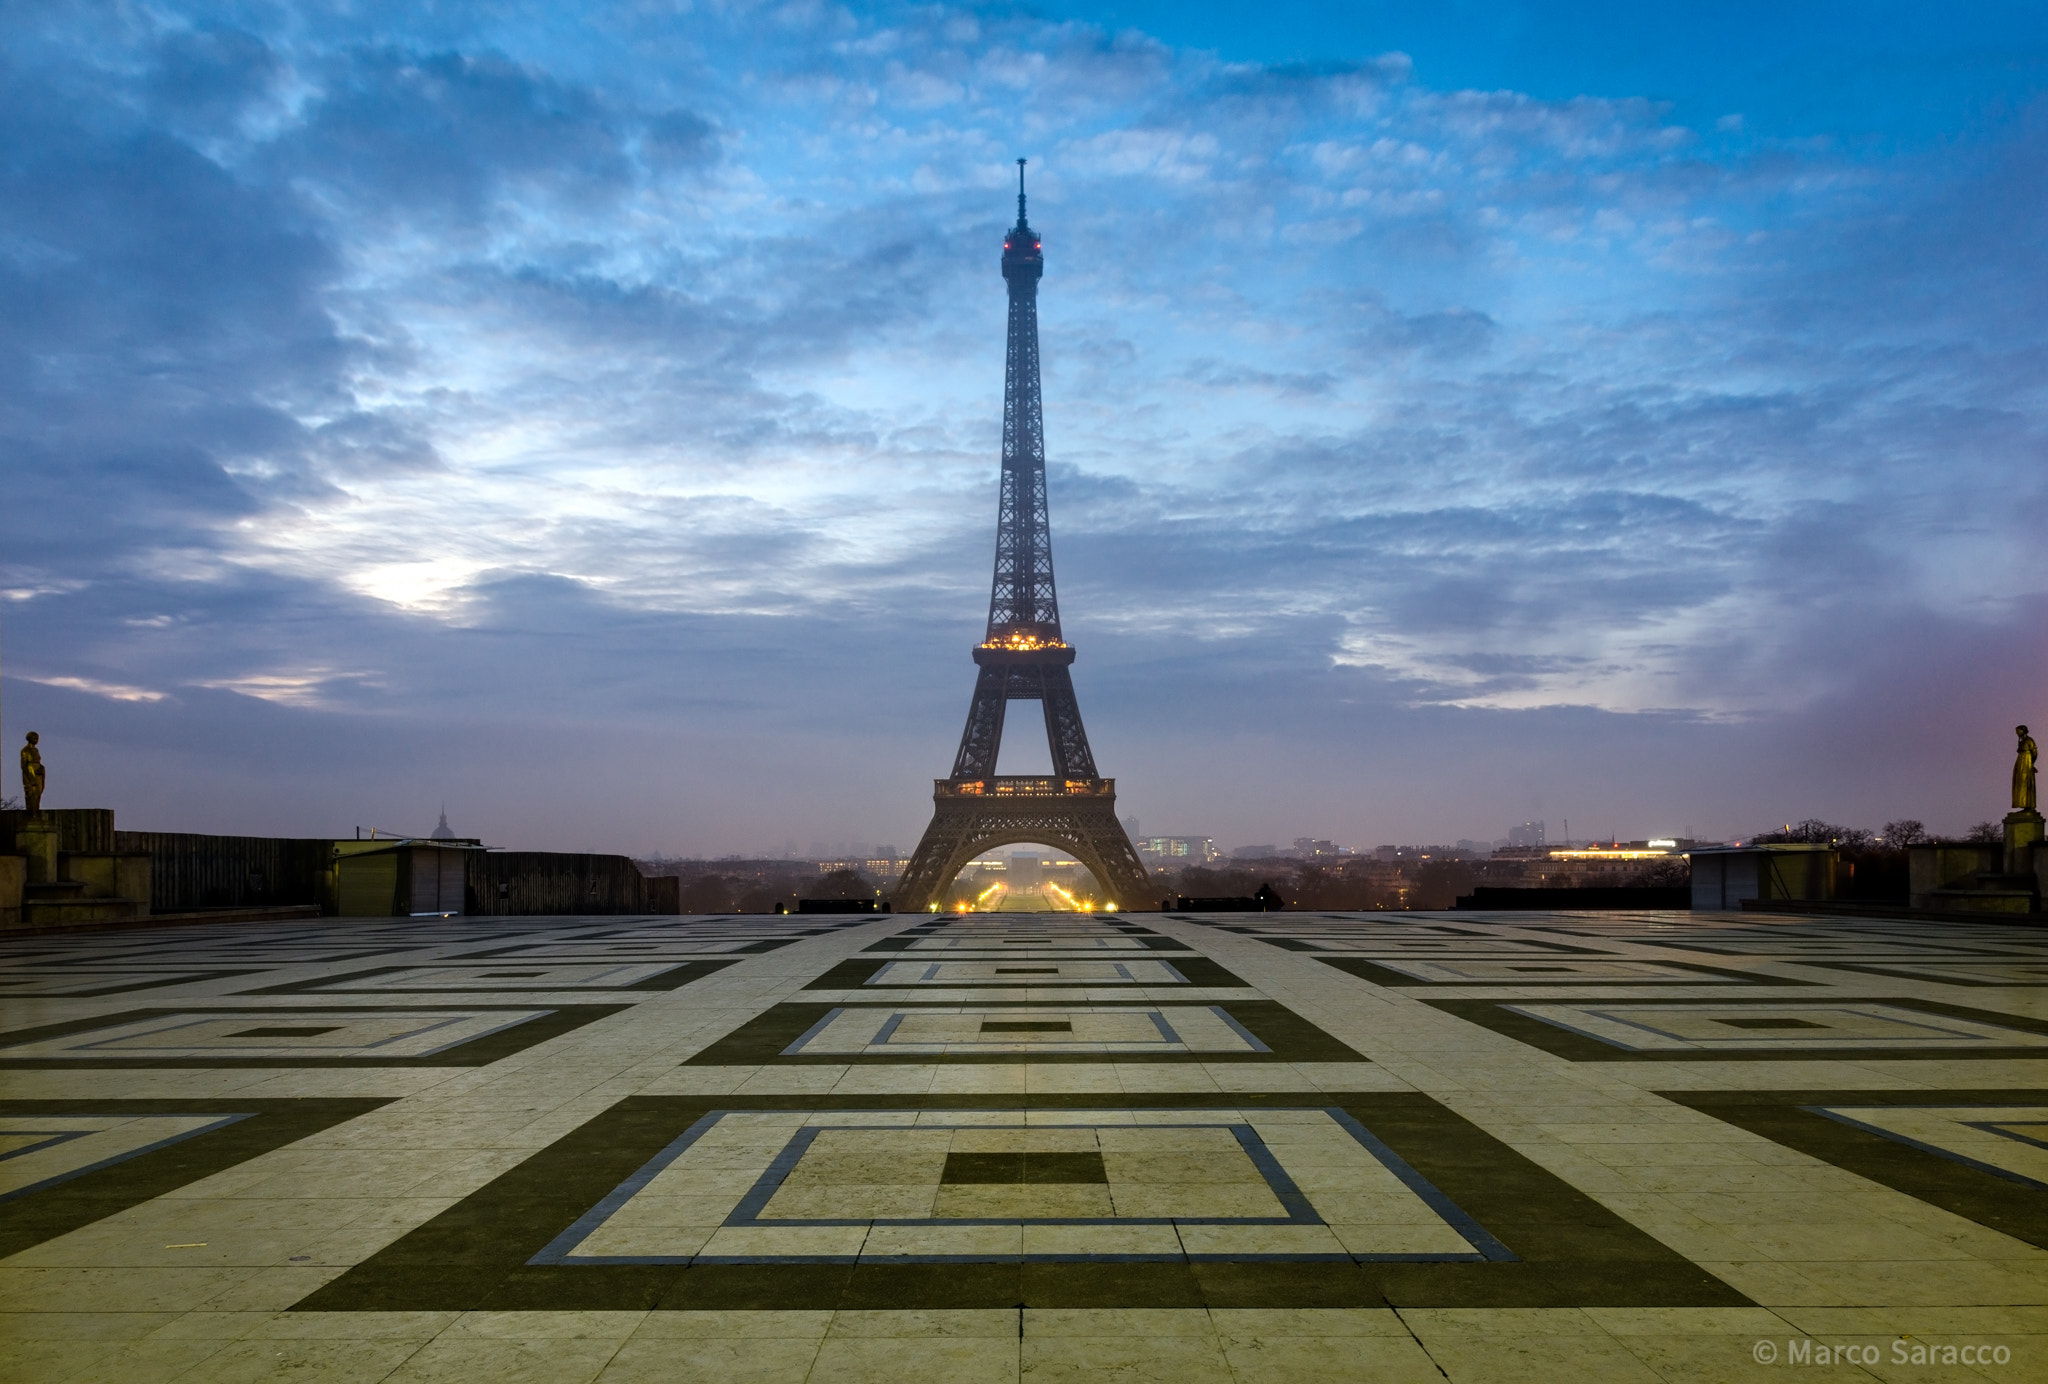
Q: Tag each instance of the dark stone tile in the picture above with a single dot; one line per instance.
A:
(1019, 1168)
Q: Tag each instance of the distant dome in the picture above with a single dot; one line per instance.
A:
(442, 833)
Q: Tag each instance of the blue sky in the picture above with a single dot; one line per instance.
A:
(588, 416)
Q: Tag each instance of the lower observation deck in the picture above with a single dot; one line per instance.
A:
(1024, 786)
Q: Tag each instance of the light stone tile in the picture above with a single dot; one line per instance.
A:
(887, 1080)
(893, 1359)
(1236, 1325)
(1166, 1359)
(1279, 1359)
(1001, 1323)
(738, 1325)
(28, 1289)
(310, 1326)
(144, 1362)
(32, 1360)
(506, 1360)
(756, 1358)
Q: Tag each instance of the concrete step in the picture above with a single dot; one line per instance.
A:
(73, 912)
(1981, 900)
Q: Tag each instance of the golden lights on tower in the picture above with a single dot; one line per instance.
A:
(1023, 641)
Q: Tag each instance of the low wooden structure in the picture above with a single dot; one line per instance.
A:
(1734, 877)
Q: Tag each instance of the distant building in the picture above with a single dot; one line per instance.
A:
(1024, 870)
(1313, 848)
(1417, 854)
(1618, 850)
(1650, 849)
(1177, 850)
(1256, 853)
(1527, 834)
(443, 832)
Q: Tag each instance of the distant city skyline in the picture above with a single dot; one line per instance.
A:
(589, 419)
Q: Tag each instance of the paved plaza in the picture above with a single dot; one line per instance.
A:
(1254, 1147)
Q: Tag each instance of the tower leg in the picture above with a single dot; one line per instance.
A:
(1071, 757)
(983, 738)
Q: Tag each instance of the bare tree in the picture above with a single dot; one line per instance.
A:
(1905, 832)
(1815, 831)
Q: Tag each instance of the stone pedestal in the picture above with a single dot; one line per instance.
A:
(2022, 833)
(36, 838)
(13, 883)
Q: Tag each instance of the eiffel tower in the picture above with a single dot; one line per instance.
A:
(1024, 658)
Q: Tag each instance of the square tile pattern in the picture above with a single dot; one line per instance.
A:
(1775, 1027)
(1028, 969)
(1235, 1147)
(276, 1034)
(1025, 1031)
(936, 1185)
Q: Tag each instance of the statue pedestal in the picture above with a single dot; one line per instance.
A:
(2023, 831)
(36, 838)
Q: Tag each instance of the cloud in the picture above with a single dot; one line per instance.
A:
(435, 383)
(92, 686)
(447, 137)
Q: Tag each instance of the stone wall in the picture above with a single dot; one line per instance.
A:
(193, 871)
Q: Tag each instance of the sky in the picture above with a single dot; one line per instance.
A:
(587, 417)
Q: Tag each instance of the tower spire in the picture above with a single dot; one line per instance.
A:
(1023, 606)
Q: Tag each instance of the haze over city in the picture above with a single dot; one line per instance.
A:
(588, 420)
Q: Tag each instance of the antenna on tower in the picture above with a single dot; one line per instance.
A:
(1020, 192)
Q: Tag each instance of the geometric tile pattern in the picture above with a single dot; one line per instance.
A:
(511, 975)
(1665, 1030)
(2025, 973)
(38, 1151)
(1024, 1031)
(1782, 1027)
(2007, 1140)
(85, 984)
(940, 1186)
(1041, 970)
(1295, 1146)
(377, 1033)
(1550, 971)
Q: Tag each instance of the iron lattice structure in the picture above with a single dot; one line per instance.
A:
(1023, 658)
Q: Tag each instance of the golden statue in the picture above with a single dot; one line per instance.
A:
(32, 776)
(2023, 772)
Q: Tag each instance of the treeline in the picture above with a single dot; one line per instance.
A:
(1874, 865)
(758, 886)
(1894, 836)
(1391, 886)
